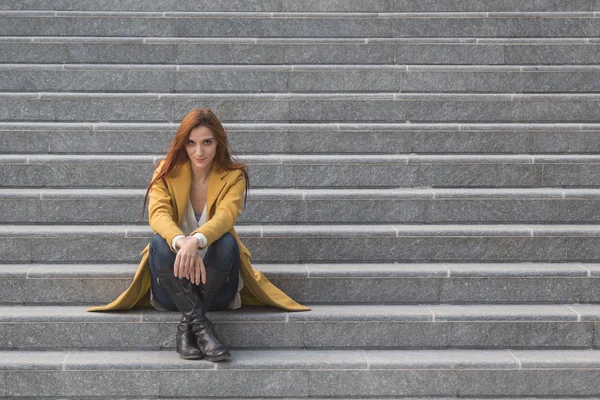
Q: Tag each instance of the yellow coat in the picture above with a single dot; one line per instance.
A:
(166, 209)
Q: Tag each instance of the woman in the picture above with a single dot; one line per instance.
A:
(195, 262)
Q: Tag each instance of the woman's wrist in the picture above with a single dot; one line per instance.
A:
(195, 240)
(179, 242)
(201, 240)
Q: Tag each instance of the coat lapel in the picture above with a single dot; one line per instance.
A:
(216, 183)
(181, 185)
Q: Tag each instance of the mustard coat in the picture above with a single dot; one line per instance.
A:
(166, 210)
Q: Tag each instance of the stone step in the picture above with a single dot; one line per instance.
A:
(302, 108)
(391, 283)
(325, 326)
(291, 5)
(447, 138)
(304, 373)
(216, 78)
(323, 171)
(320, 243)
(299, 24)
(318, 206)
(286, 51)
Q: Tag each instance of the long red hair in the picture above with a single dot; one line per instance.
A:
(177, 154)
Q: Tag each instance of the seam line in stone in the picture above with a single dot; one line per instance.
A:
(578, 314)
(364, 353)
(27, 272)
(432, 314)
(63, 365)
(530, 231)
(589, 272)
(447, 270)
(516, 358)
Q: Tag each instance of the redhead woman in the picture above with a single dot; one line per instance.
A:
(195, 261)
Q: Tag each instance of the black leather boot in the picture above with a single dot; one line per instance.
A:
(191, 305)
(207, 338)
(187, 347)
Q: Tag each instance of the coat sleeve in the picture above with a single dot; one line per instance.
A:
(161, 216)
(227, 212)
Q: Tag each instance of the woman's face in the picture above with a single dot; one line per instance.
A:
(201, 147)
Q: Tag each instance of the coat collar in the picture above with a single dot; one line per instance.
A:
(183, 183)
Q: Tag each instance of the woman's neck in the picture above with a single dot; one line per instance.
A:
(200, 174)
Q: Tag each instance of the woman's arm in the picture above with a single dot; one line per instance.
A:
(160, 211)
(227, 212)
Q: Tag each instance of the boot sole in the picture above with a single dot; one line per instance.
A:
(184, 357)
(218, 358)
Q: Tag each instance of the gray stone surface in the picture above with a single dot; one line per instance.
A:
(252, 383)
(19, 142)
(423, 53)
(107, 141)
(51, 335)
(305, 108)
(498, 290)
(68, 176)
(326, 243)
(502, 312)
(290, 25)
(220, 79)
(583, 249)
(86, 52)
(62, 290)
(305, 138)
(547, 359)
(419, 51)
(82, 383)
(373, 291)
(32, 52)
(368, 373)
(349, 53)
(311, 5)
(335, 327)
(296, 359)
(18, 210)
(73, 25)
(314, 79)
(410, 249)
(512, 335)
(571, 175)
(472, 383)
(69, 250)
(91, 211)
(333, 172)
(486, 283)
(25, 360)
(471, 6)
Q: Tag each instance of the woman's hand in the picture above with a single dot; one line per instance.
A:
(188, 263)
(199, 273)
(179, 243)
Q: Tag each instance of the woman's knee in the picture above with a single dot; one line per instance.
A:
(160, 248)
(226, 244)
(223, 253)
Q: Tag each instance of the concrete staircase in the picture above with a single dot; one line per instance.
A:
(425, 176)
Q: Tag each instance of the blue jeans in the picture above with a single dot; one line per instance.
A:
(223, 254)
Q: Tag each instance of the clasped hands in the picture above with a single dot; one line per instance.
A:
(188, 263)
